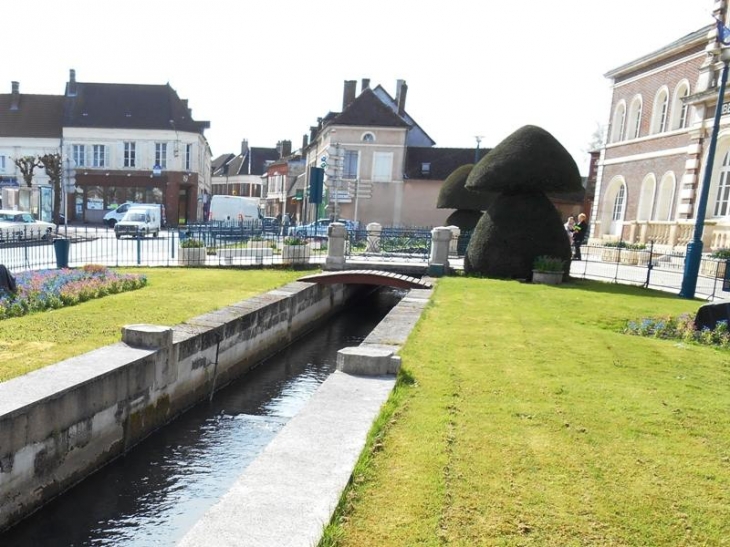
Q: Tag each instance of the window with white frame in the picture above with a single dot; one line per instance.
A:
(618, 204)
(619, 123)
(2, 164)
(634, 125)
(659, 113)
(382, 166)
(665, 197)
(368, 137)
(130, 154)
(79, 154)
(161, 154)
(679, 107)
(98, 158)
(188, 157)
(646, 198)
(349, 166)
(722, 198)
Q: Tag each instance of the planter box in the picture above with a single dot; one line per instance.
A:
(629, 257)
(610, 255)
(192, 256)
(713, 268)
(547, 278)
(295, 254)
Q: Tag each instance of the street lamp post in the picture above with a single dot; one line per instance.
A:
(694, 247)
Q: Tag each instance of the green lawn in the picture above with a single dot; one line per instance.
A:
(524, 417)
(172, 296)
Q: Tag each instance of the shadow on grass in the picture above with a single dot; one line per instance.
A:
(617, 288)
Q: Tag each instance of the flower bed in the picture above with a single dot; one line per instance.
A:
(51, 289)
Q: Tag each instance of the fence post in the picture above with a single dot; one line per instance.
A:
(438, 262)
(454, 243)
(336, 237)
(374, 230)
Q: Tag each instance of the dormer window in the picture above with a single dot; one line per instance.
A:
(368, 137)
(426, 168)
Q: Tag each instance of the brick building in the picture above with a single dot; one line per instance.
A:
(651, 167)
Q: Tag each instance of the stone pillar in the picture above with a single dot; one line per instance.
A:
(336, 238)
(454, 243)
(438, 262)
(374, 230)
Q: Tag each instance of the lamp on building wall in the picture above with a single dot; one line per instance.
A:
(694, 247)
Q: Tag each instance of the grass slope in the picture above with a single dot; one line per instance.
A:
(172, 296)
(531, 420)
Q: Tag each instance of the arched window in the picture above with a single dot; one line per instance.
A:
(619, 123)
(368, 137)
(680, 108)
(722, 197)
(634, 124)
(665, 197)
(659, 112)
(619, 204)
(646, 198)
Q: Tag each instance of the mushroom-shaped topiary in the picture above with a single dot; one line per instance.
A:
(520, 223)
(529, 160)
(454, 195)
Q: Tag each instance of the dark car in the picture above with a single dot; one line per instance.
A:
(271, 224)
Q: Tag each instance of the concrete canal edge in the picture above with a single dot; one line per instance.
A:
(289, 493)
(60, 423)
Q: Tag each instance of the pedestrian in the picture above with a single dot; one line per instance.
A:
(580, 233)
(286, 221)
(569, 228)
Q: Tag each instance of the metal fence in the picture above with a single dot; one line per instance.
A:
(202, 245)
(649, 268)
(390, 244)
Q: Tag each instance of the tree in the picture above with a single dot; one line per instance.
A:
(53, 165)
(454, 195)
(27, 165)
(521, 223)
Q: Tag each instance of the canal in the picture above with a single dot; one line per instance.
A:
(156, 492)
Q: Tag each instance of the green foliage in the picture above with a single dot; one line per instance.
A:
(529, 160)
(624, 245)
(292, 240)
(512, 233)
(723, 254)
(465, 219)
(454, 195)
(191, 243)
(544, 263)
(680, 328)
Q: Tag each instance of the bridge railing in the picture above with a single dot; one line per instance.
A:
(389, 243)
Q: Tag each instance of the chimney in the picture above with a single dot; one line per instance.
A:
(244, 147)
(312, 132)
(400, 96)
(349, 93)
(365, 84)
(71, 89)
(15, 100)
(284, 149)
(305, 142)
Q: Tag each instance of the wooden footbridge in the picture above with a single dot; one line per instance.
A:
(367, 277)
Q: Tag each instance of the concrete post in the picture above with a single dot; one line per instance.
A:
(454, 243)
(374, 230)
(336, 238)
(438, 262)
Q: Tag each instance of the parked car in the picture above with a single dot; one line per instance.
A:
(16, 225)
(319, 228)
(270, 224)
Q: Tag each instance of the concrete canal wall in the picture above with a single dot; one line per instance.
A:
(60, 423)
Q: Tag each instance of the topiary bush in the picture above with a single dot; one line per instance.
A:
(521, 223)
(466, 220)
(468, 204)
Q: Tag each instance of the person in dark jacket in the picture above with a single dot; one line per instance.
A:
(580, 232)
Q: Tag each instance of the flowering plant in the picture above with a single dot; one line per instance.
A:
(51, 289)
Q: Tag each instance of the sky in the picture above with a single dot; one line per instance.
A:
(265, 70)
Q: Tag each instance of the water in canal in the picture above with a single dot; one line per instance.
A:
(155, 493)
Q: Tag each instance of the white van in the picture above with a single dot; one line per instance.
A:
(233, 209)
(139, 221)
(115, 215)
